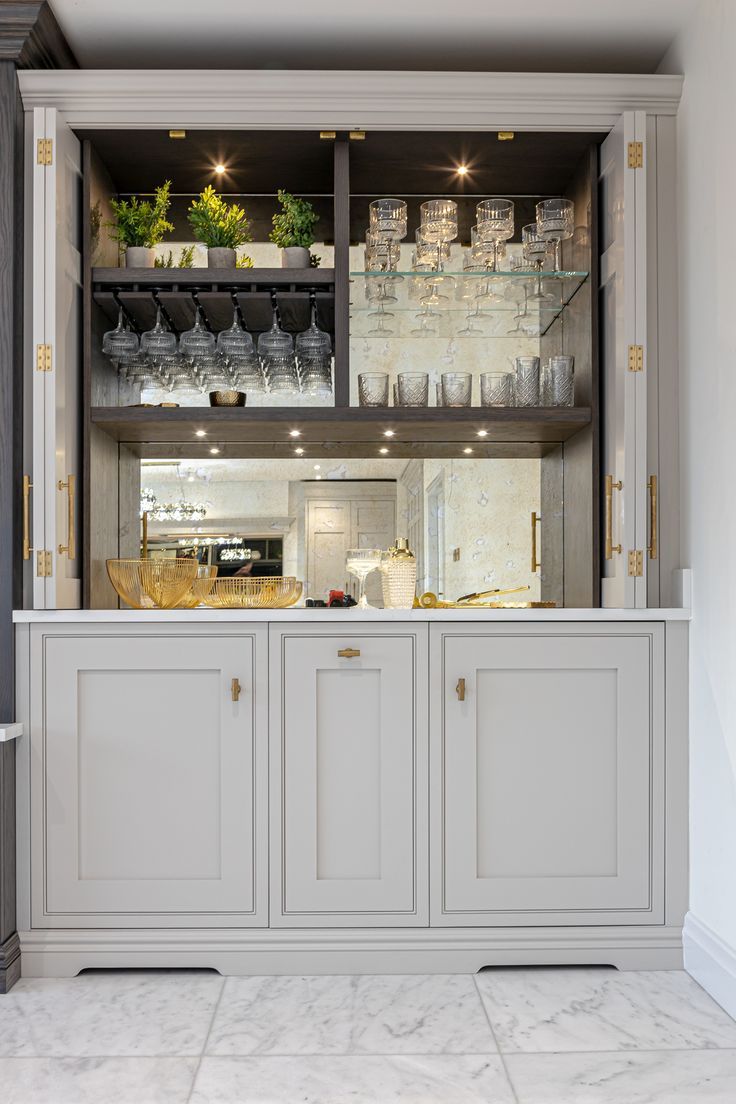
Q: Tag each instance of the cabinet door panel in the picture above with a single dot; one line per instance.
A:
(148, 779)
(345, 746)
(546, 777)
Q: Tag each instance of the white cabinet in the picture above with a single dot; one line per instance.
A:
(348, 777)
(148, 784)
(547, 768)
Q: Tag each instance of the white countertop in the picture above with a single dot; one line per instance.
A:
(340, 616)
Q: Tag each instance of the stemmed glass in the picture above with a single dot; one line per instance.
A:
(360, 562)
(495, 224)
(556, 223)
(388, 219)
(160, 341)
(198, 342)
(121, 342)
(535, 248)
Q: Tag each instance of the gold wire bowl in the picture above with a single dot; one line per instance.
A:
(205, 577)
(242, 592)
(144, 584)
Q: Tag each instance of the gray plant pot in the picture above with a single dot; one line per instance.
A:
(139, 256)
(295, 256)
(220, 257)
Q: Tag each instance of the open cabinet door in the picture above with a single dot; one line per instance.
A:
(623, 326)
(56, 351)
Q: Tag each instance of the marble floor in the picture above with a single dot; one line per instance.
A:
(542, 1036)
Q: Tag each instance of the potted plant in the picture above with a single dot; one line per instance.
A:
(293, 231)
(140, 225)
(219, 225)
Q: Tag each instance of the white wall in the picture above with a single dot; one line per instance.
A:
(706, 229)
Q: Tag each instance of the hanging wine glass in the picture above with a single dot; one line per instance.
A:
(120, 342)
(159, 341)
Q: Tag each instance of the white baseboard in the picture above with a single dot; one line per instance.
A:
(711, 962)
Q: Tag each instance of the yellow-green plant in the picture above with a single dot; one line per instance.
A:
(138, 222)
(216, 223)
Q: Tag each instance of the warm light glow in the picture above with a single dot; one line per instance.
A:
(467, 451)
(299, 451)
(219, 169)
(318, 477)
(383, 451)
(461, 170)
(295, 433)
(388, 433)
(316, 467)
(214, 452)
(200, 433)
(482, 432)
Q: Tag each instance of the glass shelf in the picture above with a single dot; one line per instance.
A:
(499, 296)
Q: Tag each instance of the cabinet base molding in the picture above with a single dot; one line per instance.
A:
(390, 951)
(9, 962)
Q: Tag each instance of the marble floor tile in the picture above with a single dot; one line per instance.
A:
(445, 1079)
(561, 1009)
(109, 1013)
(96, 1080)
(651, 1077)
(386, 1014)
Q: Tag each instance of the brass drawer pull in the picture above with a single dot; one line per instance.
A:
(536, 519)
(70, 487)
(235, 689)
(610, 487)
(348, 653)
(460, 689)
(653, 521)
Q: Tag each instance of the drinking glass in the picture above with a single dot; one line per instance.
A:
(197, 342)
(556, 223)
(235, 342)
(496, 389)
(413, 388)
(388, 217)
(429, 254)
(495, 223)
(159, 341)
(373, 388)
(439, 220)
(558, 382)
(526, 381)
(120, 342)
(457, 388)
(381, 254)
(360, 562)
(535, 249)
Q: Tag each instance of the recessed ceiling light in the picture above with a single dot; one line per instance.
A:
(214, 452)
(467, 451)
(200, 433)
(295, 433)
(383, 451)
(388, 433)
(219, 169)
(318, 477)
(299, 451)
(482, 432)
(461, 170)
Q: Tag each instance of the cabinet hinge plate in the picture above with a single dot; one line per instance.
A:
(636, 358)
(636, 155)
(44, 151)
(43, 564)
(636, 563)
(43, 358)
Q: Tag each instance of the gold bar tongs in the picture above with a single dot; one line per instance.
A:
(428, 600)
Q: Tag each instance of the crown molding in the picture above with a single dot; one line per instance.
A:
(344, 100)
(31, 38)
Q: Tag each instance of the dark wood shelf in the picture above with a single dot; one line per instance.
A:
(349, 431)
(244, 278)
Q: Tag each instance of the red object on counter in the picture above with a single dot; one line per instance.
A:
(336, 596)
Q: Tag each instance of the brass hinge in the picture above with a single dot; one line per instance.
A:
(636, 358)
(43, 358)
(357, 136)
(636, 155)
(328, 135)
(636, 563)
(43, 564)
(44, 151)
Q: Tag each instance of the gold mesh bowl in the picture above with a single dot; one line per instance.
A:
(144, 584)
(242, 592)
(205, 576)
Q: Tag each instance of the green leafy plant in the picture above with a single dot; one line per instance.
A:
(166, 260)
(218, 224)
(140, 222)
(244, 261)
(294, 224)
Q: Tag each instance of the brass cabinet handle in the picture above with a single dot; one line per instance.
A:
(536, 519)
(27, 488)
(653, 520)
(70, 486)
(460, 689)
(348, 653)
(235, 689)
(610, 487)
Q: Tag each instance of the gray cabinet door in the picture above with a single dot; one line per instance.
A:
(348, 771)
(147, 809)
(548, 774)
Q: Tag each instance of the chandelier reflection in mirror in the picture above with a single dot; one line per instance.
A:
(171, 511)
